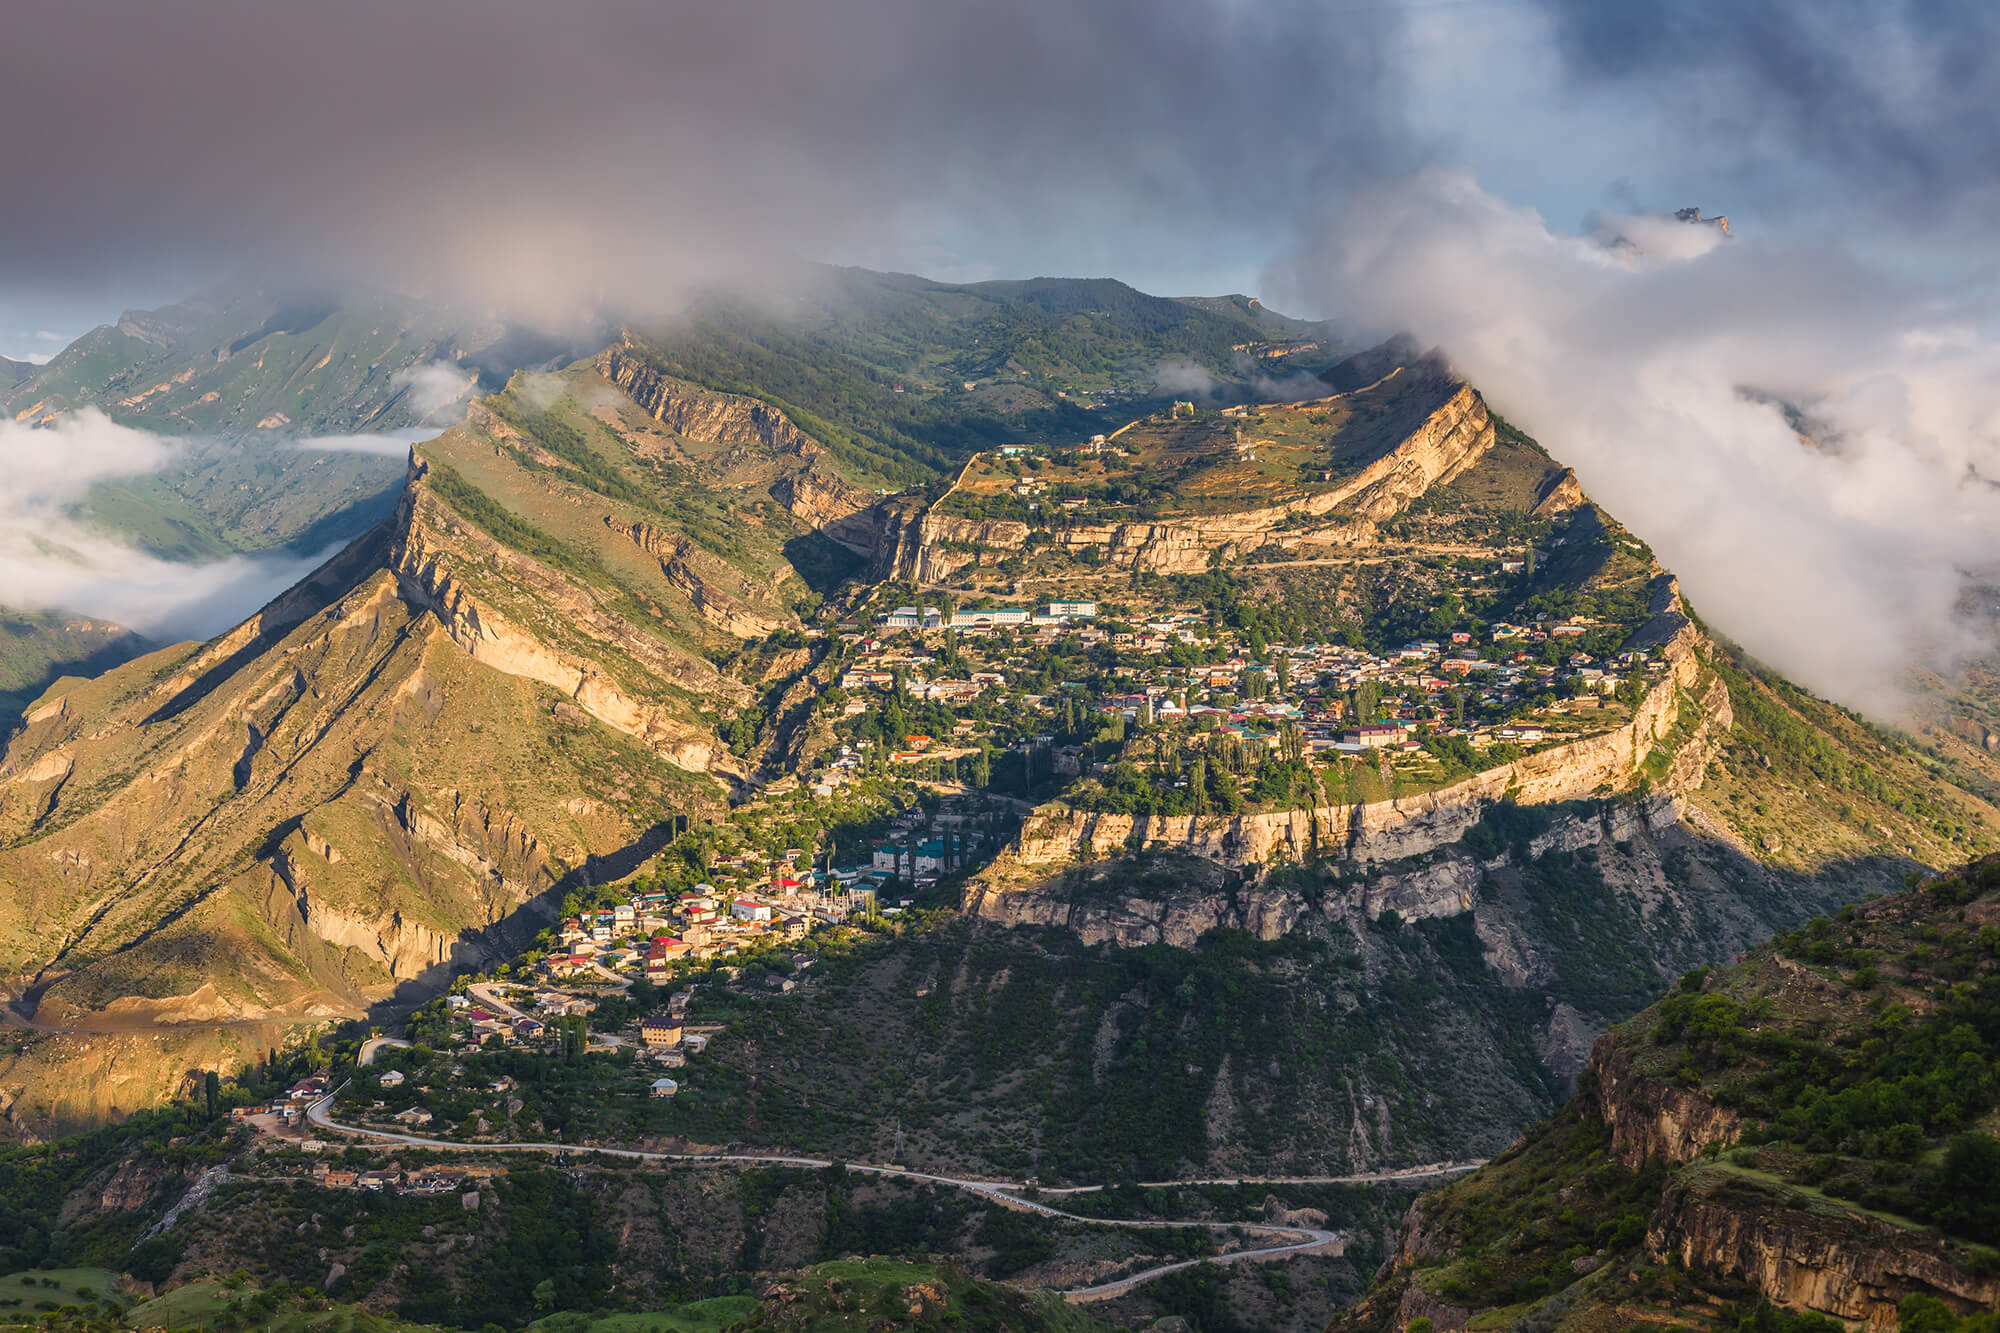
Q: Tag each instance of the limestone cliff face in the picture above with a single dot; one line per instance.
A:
(1832, 1261)
(677, 558)
(1420, 888)
(1798, 1252)
(720, 418)
(1561, 495)
(826, 504)
(380, 777)
(1654, 1121)
(804, 481)
(1057, 837)
(1451, 439)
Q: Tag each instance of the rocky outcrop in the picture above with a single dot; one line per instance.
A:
(677, 555)
(1562, 494)
(1652, 1120)
(821, 502)
(1132, 921)
(1092, 900)
(1453, 437)
(701, 414)
(1802, 1253)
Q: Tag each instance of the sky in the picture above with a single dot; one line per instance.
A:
(1482, 173)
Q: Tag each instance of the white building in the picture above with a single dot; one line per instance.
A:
(998, 615)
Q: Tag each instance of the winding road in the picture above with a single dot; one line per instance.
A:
(1285, 1240)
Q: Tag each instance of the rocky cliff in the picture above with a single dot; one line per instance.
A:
(1409, 843)
(1654, 1119)
(431, 551)
(678, 558)
(686, 409)
(384, 775)
(1728, 1119)
(1803, 1253)
(1455, 434)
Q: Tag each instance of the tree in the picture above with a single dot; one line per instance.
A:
(211, 1086)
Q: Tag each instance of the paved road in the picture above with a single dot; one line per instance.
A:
(483, 992)
(1364, 1178)
(1285, 1239)
(370, 1047)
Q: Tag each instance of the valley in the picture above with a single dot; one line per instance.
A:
(771, 798)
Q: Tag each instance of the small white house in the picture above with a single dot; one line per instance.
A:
(391, 1078)
(665, 1087)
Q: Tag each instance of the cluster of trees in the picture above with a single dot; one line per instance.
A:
(1870, 1101)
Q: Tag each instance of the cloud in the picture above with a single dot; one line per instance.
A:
(1658, 359)
(436, 388)
(393, 444)
(1883, 109)
(49, 561)
(546, 159)
(1179, 375)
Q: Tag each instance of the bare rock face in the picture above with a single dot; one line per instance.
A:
(719, 418)
(1562, 494)
(1844, 1264)
(1452, 438)
(677, 558)
(1653, 1121)
(298, 819)
(1797, 1252)
(429, 548)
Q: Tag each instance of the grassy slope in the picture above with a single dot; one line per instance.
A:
(833, 362)
(39, 648)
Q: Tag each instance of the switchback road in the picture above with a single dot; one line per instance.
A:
(1284, 1240)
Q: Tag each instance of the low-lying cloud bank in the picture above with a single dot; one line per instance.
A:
(51, 562)
(1811, 445)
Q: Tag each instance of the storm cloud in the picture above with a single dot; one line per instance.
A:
(548, 157)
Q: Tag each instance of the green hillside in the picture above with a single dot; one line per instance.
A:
(39, 648)
(877, 366)
(1814, 1127)
(246, 357)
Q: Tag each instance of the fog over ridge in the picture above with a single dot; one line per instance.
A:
(52, 561)
(1660, 359)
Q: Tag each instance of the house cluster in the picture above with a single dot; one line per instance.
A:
(291, 1108)
(920, 847)
(1243, 696)
(652, 932)
(1460, 684)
